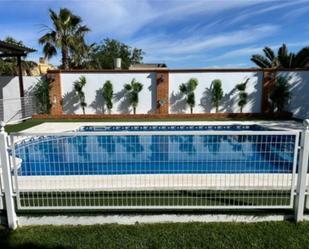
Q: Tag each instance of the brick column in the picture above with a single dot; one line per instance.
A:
(55, 93)
(162, 92)
(268, 83)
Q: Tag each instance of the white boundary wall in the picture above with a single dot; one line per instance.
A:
(203, 97)
(9, 86)
(299, 87)
(299, 81)
(93, 92)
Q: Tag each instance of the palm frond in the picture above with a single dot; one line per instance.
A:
(261, 61)
(302, 58)
(270, 54)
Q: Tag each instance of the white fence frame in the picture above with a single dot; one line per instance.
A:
(1, 189)
(297, 187)
(291, 176)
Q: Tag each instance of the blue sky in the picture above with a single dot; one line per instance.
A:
(181, 33)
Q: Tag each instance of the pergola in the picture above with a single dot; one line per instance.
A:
(14, 50)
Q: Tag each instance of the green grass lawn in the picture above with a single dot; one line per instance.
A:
(203, 198)
(170, 236)
(32, 122)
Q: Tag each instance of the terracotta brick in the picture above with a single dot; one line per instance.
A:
(268, 84)
(55, 93)
(162, 92)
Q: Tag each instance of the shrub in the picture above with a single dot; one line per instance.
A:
(108, 95)
(41, 94)
(132, 89)
(280, 95)
(217, 93)
(188, 90)
(78, 87)
(242, 95)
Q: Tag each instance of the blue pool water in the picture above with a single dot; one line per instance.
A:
(157, 154)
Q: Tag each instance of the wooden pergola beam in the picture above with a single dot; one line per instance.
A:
(5, 55)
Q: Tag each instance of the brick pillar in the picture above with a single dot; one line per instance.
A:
(162, 92)
(268, 83)
(55, 93)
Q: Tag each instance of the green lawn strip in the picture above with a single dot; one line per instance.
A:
(202, 198)
(261, 235)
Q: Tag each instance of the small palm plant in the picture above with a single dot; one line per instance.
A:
(243, 96)
(108, 95)
(188, 90)
(217, 93)
(280, 96)
(78, 87)
(132, 91)
(41, 93)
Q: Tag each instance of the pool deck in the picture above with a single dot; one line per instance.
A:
(55, 127)
(156, 182)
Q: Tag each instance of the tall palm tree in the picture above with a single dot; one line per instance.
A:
(66, 34)
(283, 58)
(133, 90)
(188, 90)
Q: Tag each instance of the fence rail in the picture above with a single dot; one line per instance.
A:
(14, 110)
(159, 170)
(192, 169)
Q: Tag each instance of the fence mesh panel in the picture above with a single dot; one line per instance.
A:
(89, 170)
(17, 109)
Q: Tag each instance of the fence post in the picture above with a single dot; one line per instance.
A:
(302, 173)
(7, 179)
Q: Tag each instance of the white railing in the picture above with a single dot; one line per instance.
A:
(14, 110)
(139, 170)
(158, 170)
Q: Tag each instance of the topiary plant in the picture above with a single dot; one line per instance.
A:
(242, 95)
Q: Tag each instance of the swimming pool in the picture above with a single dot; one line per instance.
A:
(157, 150)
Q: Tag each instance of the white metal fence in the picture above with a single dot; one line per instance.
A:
(157, 170)
(17, 109)
(1, 189)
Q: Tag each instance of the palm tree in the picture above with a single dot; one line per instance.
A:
(188, 90)
(66, 34)
(108, 95)
(243, 96)
(283, 59)
(78, 87)
(217, 93)
(41, 93)
(132, 91)
(280, 96)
